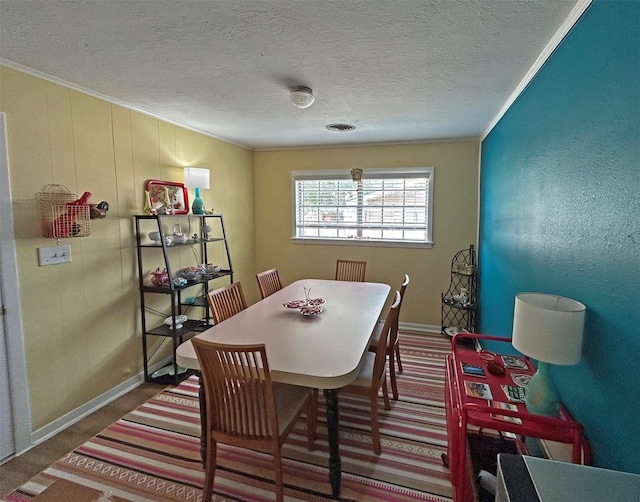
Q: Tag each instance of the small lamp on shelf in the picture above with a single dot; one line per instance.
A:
(198, 178)
(548, 328)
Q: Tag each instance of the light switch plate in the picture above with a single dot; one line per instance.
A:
(54, 255)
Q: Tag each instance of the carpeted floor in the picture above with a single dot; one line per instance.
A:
(152, 453)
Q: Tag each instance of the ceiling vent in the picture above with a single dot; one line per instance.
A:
(341, 127)
(301, 96)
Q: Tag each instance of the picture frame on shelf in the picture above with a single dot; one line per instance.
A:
(177, 193)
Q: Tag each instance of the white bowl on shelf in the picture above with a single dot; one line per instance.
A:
(180, 320)
(210, 268)
(454, 330)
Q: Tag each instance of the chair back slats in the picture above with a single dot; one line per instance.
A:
(269, 282)
(240, 405)
(390, 324)
(348, 270)
(404, 285)
(394, 332)
(238, 390)
(226, 301)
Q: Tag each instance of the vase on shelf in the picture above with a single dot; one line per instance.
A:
(198, 206)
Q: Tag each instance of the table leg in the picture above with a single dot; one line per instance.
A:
(335, 466)
(203, 419)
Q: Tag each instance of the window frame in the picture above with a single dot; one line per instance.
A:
(342, 174)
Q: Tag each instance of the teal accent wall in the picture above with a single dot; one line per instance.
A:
(560, 214)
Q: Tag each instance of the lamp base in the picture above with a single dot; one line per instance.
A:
(198, 206)
(542, 397)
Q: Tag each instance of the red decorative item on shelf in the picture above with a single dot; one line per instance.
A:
(176, 195)
(160, 277)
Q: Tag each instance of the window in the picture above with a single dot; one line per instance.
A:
(387, 207)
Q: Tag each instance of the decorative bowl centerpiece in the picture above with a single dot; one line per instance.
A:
(294, 304)
(310, 310)
(308, 306)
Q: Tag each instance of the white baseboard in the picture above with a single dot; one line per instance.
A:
(422, 328)
(60, 424)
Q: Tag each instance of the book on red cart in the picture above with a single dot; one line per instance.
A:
(477, 389)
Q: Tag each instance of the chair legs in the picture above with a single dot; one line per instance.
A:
(392, 374)
(210, 467)
(394, 359)
(277, 460)
(397, 351)
(385, 395)
(375, 419)
(210, 462)
(210, 471)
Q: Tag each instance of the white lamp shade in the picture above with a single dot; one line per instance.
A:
(548, 328)
(196, 177)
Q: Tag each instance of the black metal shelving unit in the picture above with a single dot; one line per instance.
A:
(456, 312)
(173, 374)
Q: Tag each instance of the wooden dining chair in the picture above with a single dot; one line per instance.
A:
(244, 408)
(393, 348)
(373, 374)
(226, 301)
(348, 270)
(269, 282)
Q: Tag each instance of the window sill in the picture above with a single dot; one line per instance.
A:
(362, 242)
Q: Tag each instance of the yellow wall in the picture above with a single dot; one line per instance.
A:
(454, 226)
(81, 320)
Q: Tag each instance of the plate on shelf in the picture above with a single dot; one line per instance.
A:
(168, 371)
(190, 273)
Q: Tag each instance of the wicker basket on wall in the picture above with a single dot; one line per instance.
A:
(58, 217)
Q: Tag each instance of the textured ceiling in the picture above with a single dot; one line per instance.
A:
(399, 70)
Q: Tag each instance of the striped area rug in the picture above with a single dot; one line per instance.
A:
(153, 453)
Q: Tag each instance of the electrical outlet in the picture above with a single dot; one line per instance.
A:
(54, 255)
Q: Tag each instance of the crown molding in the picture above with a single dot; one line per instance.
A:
(109, 99)
(580, 7)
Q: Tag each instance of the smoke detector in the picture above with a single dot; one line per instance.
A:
(301, 96)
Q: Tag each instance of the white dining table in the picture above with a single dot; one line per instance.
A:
(321, 351)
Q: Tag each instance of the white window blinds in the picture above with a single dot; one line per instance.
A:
(385, 206)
